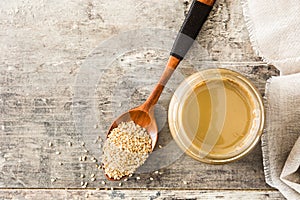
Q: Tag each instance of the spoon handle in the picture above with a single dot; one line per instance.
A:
(189, 30)
(191, 27)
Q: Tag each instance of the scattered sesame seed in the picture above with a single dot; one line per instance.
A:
(92, 175)
(100, 167)
(93, 179)
(86, 151)
(84, 158)
(81, 183)
(86, 195)
(57, 153)
(160, 173)
(151, 179)
(85, 184)
(70, 144)
(130, 175)
(82, 144)
(156, 172)
(159, 146)
(80, 158)
(103, 182)
(120, 184)
(82, 175)
(95, 126)
(125, 179)
(184, 182)
(138, 178)
(93, 159)
(60, 163)
(50, 143)
(53, 180)
(95, 141)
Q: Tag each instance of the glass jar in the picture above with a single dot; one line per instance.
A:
(216, 116)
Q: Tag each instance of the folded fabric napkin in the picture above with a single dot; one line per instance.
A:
(274, 28)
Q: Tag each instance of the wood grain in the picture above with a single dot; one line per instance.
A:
(43, 45)
(139, 194)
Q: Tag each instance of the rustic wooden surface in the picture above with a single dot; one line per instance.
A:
(44, 46)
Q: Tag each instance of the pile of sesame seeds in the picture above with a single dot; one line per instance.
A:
(126, 148)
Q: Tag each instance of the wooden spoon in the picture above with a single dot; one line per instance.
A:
(143, 115)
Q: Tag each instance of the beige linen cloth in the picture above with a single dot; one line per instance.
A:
(274, 28)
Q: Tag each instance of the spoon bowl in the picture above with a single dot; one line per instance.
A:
(141, 117)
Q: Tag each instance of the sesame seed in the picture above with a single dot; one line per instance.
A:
(50, 144)
(159, 146)
(130, 175)
(86, 151)
(156, 172)
(60, 163)
(120, 184)
(125, 179)
(84, 158)
(80, 158)
(129, 145)
(85, 185)
(138, 178)
(82, 144)
(82, 175)
(57, 153)
(93, 179)
(93, 159)
(95, 126)
(53, 180)
(151, 179)
(92, 175)
(70, 144)
(103, 182)
(81, 183)
(184, 182)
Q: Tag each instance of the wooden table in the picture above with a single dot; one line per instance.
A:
(48, 128)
